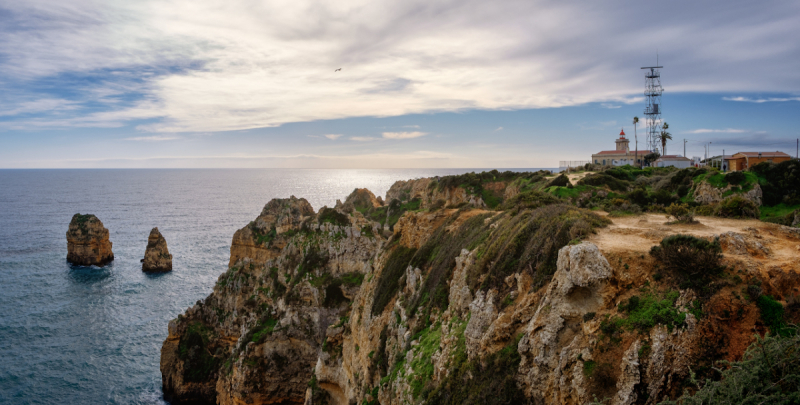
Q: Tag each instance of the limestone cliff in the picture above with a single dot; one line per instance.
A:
(156, 255)
(87, 241)
(541, 302)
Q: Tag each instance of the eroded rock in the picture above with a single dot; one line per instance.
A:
(87, 241)
(156, 257)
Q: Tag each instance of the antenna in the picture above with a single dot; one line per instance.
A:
(652, 110)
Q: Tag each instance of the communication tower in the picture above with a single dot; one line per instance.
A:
(652, 110)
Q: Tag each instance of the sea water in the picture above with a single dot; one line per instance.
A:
(89, 335)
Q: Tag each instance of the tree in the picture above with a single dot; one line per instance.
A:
(665, 136)
(636, 139)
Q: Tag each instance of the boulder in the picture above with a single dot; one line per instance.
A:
(87, 241)
(156, 256)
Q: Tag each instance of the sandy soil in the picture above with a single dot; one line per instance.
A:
(573, 177)
(640, 233)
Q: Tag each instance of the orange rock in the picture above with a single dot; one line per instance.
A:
(156, 256)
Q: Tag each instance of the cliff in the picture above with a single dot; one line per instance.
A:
(526, 299)
(87, 241)
(156, 255)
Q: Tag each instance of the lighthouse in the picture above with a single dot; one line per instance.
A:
(622, 142)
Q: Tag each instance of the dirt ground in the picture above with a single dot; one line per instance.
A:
(639, 233)
(573, 177)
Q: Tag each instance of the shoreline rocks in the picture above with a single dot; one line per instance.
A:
(87, 241)
(156, 257)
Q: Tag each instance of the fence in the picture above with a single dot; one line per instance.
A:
(571, 164)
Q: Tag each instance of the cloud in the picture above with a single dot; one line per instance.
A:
(498, 129)
(363, 138)
(333, 137)
(403, 135)
(761, 100)
(221, 65)
(154, 138)
(709, 131)
(611, 106)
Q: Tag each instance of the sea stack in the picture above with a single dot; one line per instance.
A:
(156, 256)
(87, 241)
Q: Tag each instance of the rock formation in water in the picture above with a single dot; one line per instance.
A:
(87, 241)
(433, 297)
(156, 256)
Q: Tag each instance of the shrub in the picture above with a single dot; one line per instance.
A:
(601, 179)
(529, 200)
(706, 210)
(735, 177)
(772, 314)
(650, 310)
(782, 182)
(639, 197)
(693, 260)
(332, 216)
(769, 373)
(560, 181)
(680, 212)
(194, 350)
(738, 207)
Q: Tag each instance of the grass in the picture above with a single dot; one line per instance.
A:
(422, 366)
(777, 211)
(263, 329)
(388, 281)
(645, 312)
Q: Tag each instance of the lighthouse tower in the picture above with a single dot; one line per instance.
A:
(622, 142)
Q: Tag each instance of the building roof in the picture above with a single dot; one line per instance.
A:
(673, 158)
(612, 152)
(755, 154)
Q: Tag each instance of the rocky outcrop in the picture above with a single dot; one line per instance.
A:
(156, 256)
(431, 195)
(456, 306)
(705, 193)
(87, 241)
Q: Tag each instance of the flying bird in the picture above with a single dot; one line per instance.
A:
(337, 70)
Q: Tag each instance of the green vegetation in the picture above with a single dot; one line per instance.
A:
(263, 328)
(781, 214)
(396, 210)
(388, 280)
(559, 181)
(438, 258)
(422, 366)
(694, 261)
(332, 216)
(262, 238)
(680, 212)
(602, 179)
(529, 200)
(772, 314)
(780, 183)
(769, 373)
(650, 310)
(194, 349)
(480, 382)
(529, 242)
(313, 259)
(737, 207)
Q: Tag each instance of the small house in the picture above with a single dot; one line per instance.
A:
(673, 160)
(745, 160)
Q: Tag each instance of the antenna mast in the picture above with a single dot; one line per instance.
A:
(652, 110)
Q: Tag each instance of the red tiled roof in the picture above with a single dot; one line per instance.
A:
(763, 154)
(612, 152)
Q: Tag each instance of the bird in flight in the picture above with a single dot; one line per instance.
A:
(337, 70)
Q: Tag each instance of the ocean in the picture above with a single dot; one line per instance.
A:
(88, 335)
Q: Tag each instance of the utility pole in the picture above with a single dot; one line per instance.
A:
(684, 147)
(722, 162)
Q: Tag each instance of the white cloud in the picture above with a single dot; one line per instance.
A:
(333, 137)
(761, 100)
(219, 65)
(710, 131)
(154, 138)
(403, 135)
(498, 129)
(363, 138)
(611, 106)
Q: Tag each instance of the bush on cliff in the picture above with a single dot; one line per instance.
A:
(529, 200)
(780, 183)
(693, 260)
(601, 179)
(560, 181)
(332, 216)
(769, 373)
(737, 207)
(389, 280)
(194, 349)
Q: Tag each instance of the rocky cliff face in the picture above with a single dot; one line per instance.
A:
(156, 255)
(87, 241)
(464, 305)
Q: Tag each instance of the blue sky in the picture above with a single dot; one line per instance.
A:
(244, 83)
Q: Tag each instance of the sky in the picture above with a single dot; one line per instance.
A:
(422, 84)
